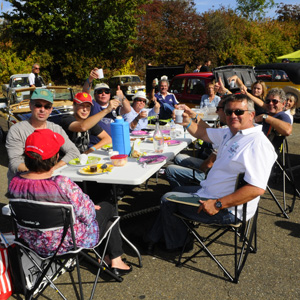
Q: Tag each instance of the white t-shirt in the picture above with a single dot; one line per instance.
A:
(249, 152)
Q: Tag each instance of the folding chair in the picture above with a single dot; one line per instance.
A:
(244, 237)
(282, 164)
(49, 216)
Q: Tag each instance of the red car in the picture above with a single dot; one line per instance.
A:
(189, 87)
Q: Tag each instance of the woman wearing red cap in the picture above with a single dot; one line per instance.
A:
(80, 126)
(41, 154)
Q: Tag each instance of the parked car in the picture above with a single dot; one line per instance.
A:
(281, 75)
(13, 91)
(189, 87)
(129, 84)
(14, 113)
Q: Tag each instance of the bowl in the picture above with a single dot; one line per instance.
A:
(119, 160)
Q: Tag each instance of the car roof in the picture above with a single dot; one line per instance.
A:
(208, 75)
(124, 75)
(19, 75)
(291, 69)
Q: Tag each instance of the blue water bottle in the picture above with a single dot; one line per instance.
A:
(120, 136)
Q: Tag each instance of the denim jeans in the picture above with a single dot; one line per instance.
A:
(172, 229)
(180, 175)
(165, 111)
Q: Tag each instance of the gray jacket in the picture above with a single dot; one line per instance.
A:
(15, 145)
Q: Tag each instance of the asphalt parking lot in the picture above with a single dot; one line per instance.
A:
(272, 273)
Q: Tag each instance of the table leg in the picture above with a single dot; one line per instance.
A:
(114, 187)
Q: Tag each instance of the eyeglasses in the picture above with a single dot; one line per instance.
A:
(274, 101)
(140, 100)
(106, 91)
(36, 68)
(219, 107)
(237, 112)
(46, 106)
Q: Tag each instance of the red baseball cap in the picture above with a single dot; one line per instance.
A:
(83, 97)
(44, 142)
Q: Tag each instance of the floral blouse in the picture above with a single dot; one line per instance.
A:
(59, 189)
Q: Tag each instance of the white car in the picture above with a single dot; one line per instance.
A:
(13, 91)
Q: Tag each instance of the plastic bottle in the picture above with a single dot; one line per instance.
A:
(172, 130)
(158, 139)
(120, 136)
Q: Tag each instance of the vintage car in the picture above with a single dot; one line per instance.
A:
(14, 113)
(190, 87)
(12, 90)
(129, 84)
(281, 75)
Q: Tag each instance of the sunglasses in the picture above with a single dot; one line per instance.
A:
(237, 112)
(36, 68)
(140, 100)
(106, 91)
(219, 107)
(46, 106)
(274, 101)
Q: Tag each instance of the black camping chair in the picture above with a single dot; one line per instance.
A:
(282, 165)
(49, 216)
(244, 239)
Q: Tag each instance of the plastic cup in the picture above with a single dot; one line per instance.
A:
(83, 158)
(178, 115)
(100, 73)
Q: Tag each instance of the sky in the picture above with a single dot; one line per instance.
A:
(201, 5)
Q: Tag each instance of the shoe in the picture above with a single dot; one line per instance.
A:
(121, 272)
(149, 248)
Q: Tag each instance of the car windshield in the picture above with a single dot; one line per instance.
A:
(20, 81)
(126, 79)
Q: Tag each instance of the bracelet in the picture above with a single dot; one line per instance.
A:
(189, 124)
(89, 81)
(196, 118)
(94, 148)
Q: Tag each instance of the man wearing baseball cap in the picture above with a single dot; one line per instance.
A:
(80, 126)
(101, 101)
(40, 104)
(137, 117)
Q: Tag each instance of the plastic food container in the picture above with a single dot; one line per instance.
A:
(119, 160)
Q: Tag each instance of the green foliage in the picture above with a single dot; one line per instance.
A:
(252, 9)
(69, 38)
(87, 28)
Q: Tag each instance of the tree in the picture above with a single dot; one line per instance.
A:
(89, 28)
(288, 12)
(254, 9)
(169, 33)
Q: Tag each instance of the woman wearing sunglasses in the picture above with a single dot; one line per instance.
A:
(138, 116)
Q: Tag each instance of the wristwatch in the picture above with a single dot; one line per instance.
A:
(218, 204)
(265, 116)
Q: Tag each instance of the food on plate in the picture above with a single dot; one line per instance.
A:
(96, 169)
(166, 138)
(93, 168)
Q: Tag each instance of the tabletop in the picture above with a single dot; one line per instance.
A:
(133, 173)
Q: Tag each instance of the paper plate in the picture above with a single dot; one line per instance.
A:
(86, 170)
(91, 160)
(173, 142)
(152, 159)
(139, 133)
(165, 131)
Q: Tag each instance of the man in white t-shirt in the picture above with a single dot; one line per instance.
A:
(239, 151)
(34, 79)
